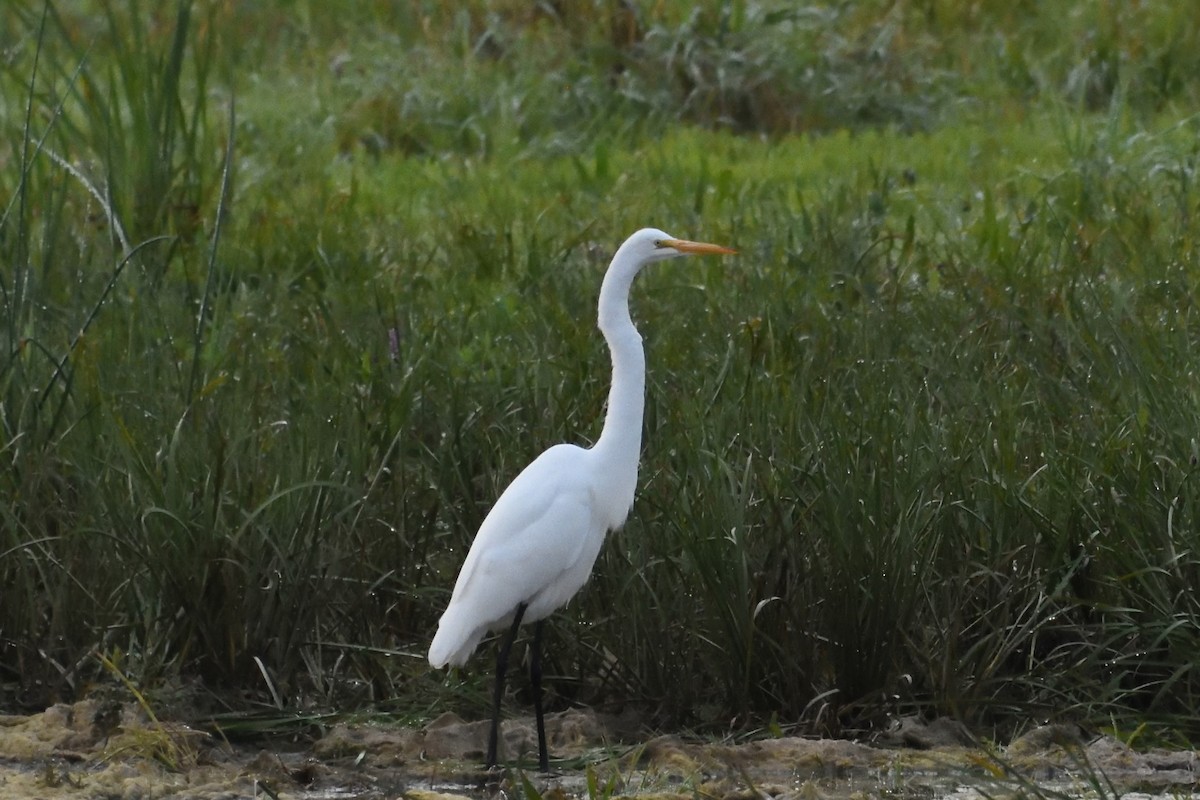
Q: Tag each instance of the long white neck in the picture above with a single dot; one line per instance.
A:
(620, 442)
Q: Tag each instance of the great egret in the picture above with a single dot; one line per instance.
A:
(537, 545)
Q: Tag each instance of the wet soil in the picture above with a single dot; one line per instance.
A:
(95, 750)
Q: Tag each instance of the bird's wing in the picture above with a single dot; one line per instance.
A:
(534, 532)
(538, 529)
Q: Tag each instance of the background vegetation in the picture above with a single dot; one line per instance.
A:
(290, 290)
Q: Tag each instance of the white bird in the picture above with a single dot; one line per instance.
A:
(536, 547)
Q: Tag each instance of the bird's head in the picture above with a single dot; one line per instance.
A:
(644, 247)
(651, 244)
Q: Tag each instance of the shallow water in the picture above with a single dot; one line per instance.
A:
(80, 751)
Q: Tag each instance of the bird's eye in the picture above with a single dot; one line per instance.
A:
(659, 244)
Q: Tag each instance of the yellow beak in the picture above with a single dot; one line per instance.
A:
(697, 248)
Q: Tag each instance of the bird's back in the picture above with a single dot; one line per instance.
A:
(536, 546)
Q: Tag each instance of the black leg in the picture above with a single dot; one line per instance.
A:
(501, 668)
(535, 678)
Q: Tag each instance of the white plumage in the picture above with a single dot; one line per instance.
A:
(536, 547)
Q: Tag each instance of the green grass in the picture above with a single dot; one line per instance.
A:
(291, 292)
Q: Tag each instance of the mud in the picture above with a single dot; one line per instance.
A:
(93, 750)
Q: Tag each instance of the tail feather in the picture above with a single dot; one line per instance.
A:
(453, 643)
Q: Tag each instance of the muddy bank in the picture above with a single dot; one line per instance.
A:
(94, 750)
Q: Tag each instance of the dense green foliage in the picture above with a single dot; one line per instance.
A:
(289, 292)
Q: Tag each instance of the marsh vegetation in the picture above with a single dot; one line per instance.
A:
(290, 291)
